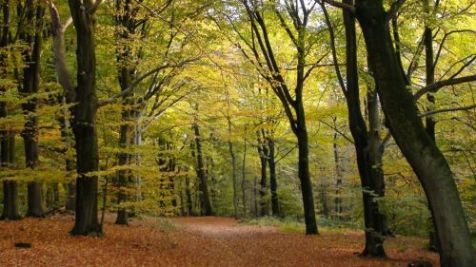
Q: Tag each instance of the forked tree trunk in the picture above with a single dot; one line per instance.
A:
(366, 143)
(416, 145)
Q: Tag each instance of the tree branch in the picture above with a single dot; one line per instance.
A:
(393, 11)
(433, 112)
(333, 3)
(438, 85)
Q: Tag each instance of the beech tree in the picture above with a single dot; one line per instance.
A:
(422, 153)
(367, 143)
(258, 48)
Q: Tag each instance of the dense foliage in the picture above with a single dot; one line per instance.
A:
(200, 108)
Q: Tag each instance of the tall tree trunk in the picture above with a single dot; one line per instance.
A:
(67, 138)
(430, 120)
(367, 144)
(338, 170)
(34, 14)
(416, 145)
(273, 181)
(263, 152)
(234, 170)
(323, 199)
(243, 179)
(84, 121)
(255, 196)
(205, 204)
(7, 139)
(128, 25)
(10, 187)
(304, 175)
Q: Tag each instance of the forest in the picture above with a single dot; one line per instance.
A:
(238, 133)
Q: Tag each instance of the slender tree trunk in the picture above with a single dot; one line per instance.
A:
(128, 25)
(188, 195)
(255, 196)
(10, 187)
(205, 203)
(263, 152)
(430, 120)
(7, 139)
(30, 85)
(273, 182)
(338, 169)
(243, 179)
(304, 175)
(234, 170)
(417, 146)
(67, 138)
(323, 198)
(366, 143)
(84, 121)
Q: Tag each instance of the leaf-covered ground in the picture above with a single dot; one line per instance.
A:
(194, 241)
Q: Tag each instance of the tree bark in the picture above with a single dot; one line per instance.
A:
(243, 179)
(234, 170)
(367, 143)
(128, 25)
(430, 120)
(205, 204)
(263, 152)
(84, 121)
(273, 181)
(10, 187)
(304, 175)
(7, 139)
(416, 145)
(338, 170)
(30, 85)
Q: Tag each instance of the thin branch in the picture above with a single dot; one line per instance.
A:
(438, 85)
(433, 112)
(333, 3)
(346, 137)
(333, 48)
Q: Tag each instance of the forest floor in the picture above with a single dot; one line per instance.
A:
(192, 241)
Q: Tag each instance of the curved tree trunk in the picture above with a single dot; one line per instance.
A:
(416, 145)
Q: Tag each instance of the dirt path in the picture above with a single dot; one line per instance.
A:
(266, 246)
(193, 241)
(219, 227)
